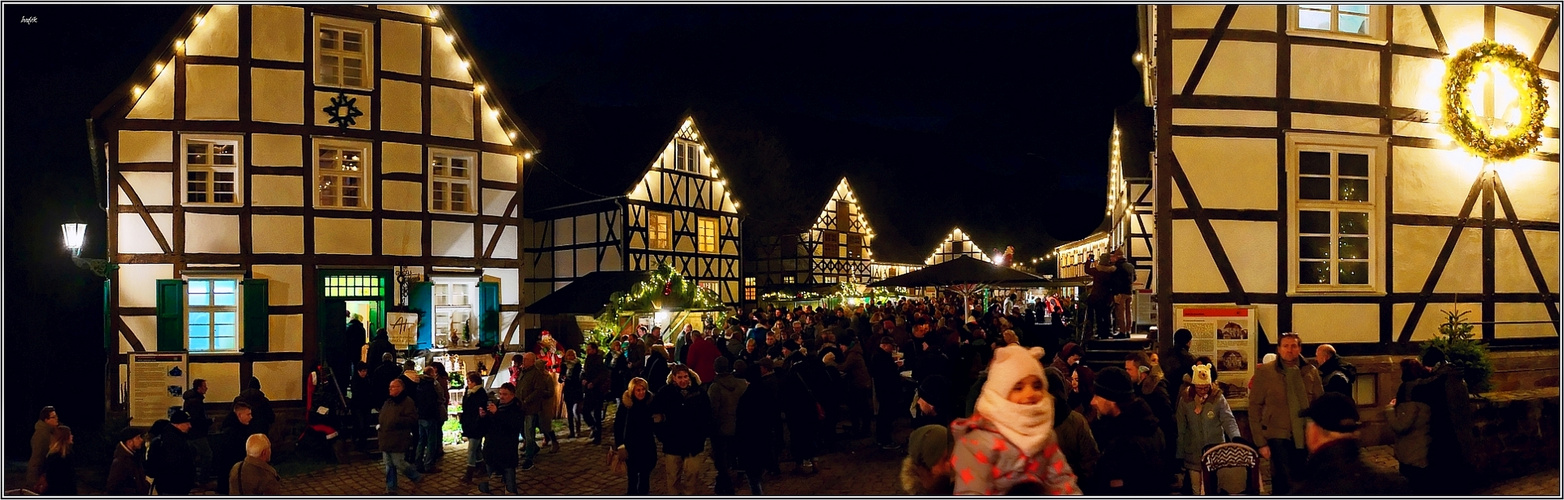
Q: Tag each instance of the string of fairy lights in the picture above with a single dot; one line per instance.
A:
(1487, 60)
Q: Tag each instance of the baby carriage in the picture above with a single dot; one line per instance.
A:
(320, 438)
(1229, 468)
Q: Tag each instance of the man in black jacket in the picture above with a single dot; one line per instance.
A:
(170, 457)
(885, 370)
(428, 403)
(200, 426)
(472, 422)
(596, 382)
(1153, 388)
(1335, 466)
(1335, 374)
(757, 422)
(230, 442)
(682, 413)
(1130, 438)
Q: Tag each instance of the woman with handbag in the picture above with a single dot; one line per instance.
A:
(59, 467)
(633, 433)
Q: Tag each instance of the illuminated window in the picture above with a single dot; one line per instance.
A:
(343, 52)
(706, 234)
(342, 172)
(1337, 243)
(789, 279)
(212, 314)
(451, 182)
(659, 231)
(211, 171)
(686, 156)
(355, 286)
(1361, 21)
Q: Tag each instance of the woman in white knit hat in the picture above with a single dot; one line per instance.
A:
(1204, 419)
(1008, 445)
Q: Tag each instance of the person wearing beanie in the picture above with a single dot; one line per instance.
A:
(1073, 431)
(126, 474)
(1409, 418)
(1336, 466)
(170, 457)
(1282, 389)
(927, 468)
(1130, 438)
(1177, 360)
(724, 392)
(1153, 388)
(1204, 419)
(1009, 440)
(1450, 434)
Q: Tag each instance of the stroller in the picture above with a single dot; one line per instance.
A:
(320, 438)
(1225, 460)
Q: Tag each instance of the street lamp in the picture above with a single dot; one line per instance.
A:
(75, 233)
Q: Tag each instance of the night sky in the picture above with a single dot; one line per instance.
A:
(993, 118)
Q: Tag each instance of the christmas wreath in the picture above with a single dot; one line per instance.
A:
(1460, 120)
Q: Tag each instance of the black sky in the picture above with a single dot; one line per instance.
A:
(993, 118)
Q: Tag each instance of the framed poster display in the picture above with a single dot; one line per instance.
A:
(157, 381)
(1228, 334)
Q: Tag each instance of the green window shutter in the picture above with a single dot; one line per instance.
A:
(257, 316)
(420, 298)
(108, 332)
(488, 314)
(170, 315)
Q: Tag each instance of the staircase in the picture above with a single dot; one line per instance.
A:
(1103, 353)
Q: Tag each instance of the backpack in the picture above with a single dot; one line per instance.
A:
(153, 465)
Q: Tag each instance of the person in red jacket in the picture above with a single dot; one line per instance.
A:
(703, 355)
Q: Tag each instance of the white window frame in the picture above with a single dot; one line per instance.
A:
(366, 189)
(1376, 147)
(659, 239)
(237, 169)
(1378, 14)
(440, 296)
(342, 24)
(706, 239)
(686, 156)
(469, 182)
(211, 311)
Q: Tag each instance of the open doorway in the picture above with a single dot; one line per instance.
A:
(372, 313)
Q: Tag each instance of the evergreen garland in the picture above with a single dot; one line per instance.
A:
(1459, 118)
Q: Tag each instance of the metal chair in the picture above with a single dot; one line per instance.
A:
(1230, 456)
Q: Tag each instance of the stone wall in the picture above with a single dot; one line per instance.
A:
(1517, 433)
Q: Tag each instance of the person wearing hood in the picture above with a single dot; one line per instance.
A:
(501, 423)
(200, 427)
(1073, 431)
(398, 422)
(1409, 418)
(1065, 361)
(1335, 466)
(43, 431)
(724, 392)
(927, 469)
(1130, 438)
(682, 412)
(1009, 441)
(1153, 388)
(634, 433)
(171, 455)
(229, 449)
(1204, 419)
(757, 423)
(127, 477)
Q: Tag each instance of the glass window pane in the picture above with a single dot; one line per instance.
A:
(199, 318)
(1313, 273)
(1353, 164)
(1314, 163)
(1314, 222)
(199, 286)
(1352, 23)
(1354, 222)
(1353, 273)
(199, 344)
(1314, 247)
(200, 299)
(1353, 189)
(223, 299)
(1314, 188)
(1353, 247)
(1355, 9)
(224, 286)
(1313, 20)
(222, 331)
(225, 317)
(224, 344)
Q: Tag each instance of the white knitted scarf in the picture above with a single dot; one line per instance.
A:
(1028, 427)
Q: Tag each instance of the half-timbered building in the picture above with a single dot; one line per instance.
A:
(1127, 218)
(832, 247)
(954, 245)
(1303, 167)
(269, 167)
(630, 194)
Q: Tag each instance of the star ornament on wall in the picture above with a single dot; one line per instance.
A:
(344, 118)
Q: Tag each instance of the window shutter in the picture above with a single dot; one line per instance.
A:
(257, 316)
(420, 298)
(170, 315)
(488, 314)
(108, 333)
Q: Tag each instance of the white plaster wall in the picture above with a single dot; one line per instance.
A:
(222, 379)
(443, 61)
(1522, 312)
(282, 380)
(1417, 252)
(610, 218)
(507, 248)
(450, 112)
(157, 102)
(1433, 182)
(1511, 274)
(1237, 68)
(342, 236)
(498, 167)
(211, 233)
(1335, 123)
(1410, 28)
(144, 328)
(493, 132)
(277, 234)
(724, 224)
(402, 196)
(1334, 74)
(564, 231)
(1431, 319)
(285, 286)
(286, 334)
(1251, 247)
(140, 146)
(403, 106)
(1205, 16)
(586, 261)
(276, 191)
(136, 237)
(564, 264)
(362, 102)
(399, 43)
(586, 228)
(1416, 83)
(277, 33)
(1462, 25)
(138, 284)
(1520, 29)
(1533, 186)
(1193, 268)
(153, 188)
(451, 239)
(398, 157)
(211, 92)
(217, 35)
(1224, 117)
(1418, 129)
(496, 200)
(276, 95)
(1266, 314)
(272, 150)
(401, 237)
(1229, 173)
(510, 283)
(1322, 323)
(612, 259)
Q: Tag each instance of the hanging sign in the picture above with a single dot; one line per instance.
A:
(402, 328)
(1227, 334)
(157, 381)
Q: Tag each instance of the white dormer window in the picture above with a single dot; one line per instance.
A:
(686, 156)
(343, 53)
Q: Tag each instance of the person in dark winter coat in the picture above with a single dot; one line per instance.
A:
(596, 382)
(570, 368)
(379, 348)
(170, 456)
(683, 414)
(474, 407)
(936, 404)
(1409, 419)
(264, 416)
(1130, 438)
(502, 424)
(126, 475)
(1153, 388)
(724, 393)
(427, 400)
(229, 448)
(43, 431)
(1177, 360)
(885, 371)
(757, 422)
(1335, 466)
(1074, 433)
(656, 369)
(859, 391)
(1336, 375)
(634, 433)
(398, 423)
(59, 466)
(200, 427)
(1450, 424)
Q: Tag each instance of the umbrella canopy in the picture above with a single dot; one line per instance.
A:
(962, 270)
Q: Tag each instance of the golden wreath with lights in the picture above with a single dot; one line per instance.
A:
(1461, 121)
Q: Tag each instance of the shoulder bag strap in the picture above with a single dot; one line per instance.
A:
(240, 478)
